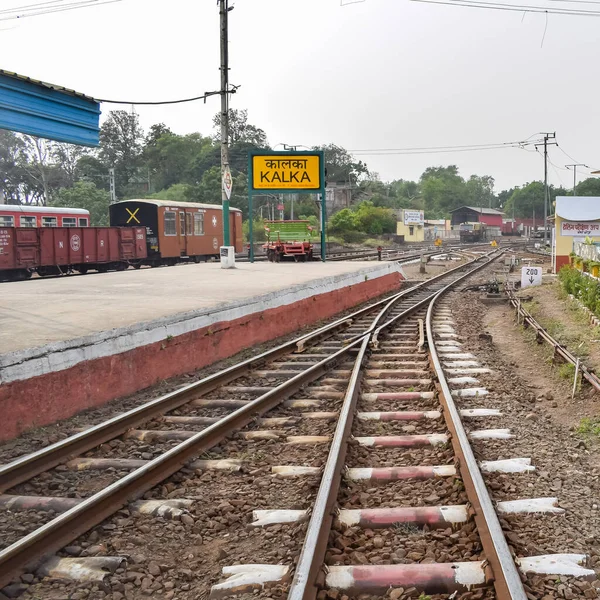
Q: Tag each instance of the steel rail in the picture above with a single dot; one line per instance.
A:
(52, 536)
(312, 557)
(26, 467)
(560, 350)
(507, 581)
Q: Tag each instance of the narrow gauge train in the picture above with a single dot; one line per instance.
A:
(178, 231)
(42, 216)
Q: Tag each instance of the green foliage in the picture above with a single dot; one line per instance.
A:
(258, 230)
(365, 219)
(529, 199)
(178, 192)
(589, 427)
(86, 195)
(566, 371)
(584, 288)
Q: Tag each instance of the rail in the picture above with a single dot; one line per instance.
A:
(303, 586)
(507, 581)
(67, 526)
(558, 349)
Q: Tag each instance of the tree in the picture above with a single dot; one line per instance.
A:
(86, 195)
(121, 138)
(480, 191)
(341, 168)
(588, 187)
(12, 149)
(442, 189)
(66, 157)
(240, 131)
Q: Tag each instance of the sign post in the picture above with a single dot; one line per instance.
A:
(531, 276)
(286, 173)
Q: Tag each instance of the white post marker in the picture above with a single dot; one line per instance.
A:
(227, 252)
(531, 276)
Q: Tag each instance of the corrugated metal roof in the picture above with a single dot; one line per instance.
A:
(48, 111)
(177, 204)
(578, 208)
(50, 86)
(483, 211)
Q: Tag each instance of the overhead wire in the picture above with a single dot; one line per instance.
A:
(443, 149)
(511, 8)
(44, 8)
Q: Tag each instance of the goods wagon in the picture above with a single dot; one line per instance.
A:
(288, 239)
(42, 216)
(62, 250)
(178, 231)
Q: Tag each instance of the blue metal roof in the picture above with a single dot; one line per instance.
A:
(48, 111)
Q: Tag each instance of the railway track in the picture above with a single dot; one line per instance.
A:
(164, 434)
(367, 374)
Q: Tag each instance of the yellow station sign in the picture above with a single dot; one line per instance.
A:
(277, 172)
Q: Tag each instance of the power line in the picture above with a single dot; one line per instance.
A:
(44, 8)
(443, 149)
(513, 8)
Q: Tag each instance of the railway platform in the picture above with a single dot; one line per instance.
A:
(71, 343)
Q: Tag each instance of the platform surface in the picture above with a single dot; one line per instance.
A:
(40, 311)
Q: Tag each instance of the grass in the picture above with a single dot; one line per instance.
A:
(566, 371)
(589, 427)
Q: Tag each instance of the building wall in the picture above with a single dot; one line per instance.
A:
(564, 245)
(417, 235)
(492, 220)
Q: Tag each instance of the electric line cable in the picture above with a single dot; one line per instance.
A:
(541, 8)
(32, 11)
(515, 8)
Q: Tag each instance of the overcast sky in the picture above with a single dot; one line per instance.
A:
(371, 75)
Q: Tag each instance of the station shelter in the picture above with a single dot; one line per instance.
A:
(576, 218)
(411, 225)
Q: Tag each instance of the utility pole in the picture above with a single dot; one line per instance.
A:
(547, 136)
(223, 12)
(575, 173)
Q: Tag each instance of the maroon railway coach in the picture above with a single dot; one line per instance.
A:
(178, 231)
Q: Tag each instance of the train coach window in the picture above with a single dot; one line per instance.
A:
(70, 222)
(49, 222)
(83, 222)
(170, 224)
(7, 221)
(198, 223)
(28, 221)
(182, 222)
(189, 223)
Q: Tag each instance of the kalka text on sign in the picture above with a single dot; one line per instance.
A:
(275, 172)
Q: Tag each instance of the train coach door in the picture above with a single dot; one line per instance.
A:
(182, 234)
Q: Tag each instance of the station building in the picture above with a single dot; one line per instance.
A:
(411, 225)
(576, 218)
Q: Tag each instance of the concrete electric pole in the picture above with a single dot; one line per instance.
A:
(575, 165)
(547, 136)
(226, 183)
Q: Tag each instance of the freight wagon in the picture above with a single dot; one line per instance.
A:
(62, 250)
(290, 239)
(178, 231)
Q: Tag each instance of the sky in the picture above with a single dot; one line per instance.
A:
(372, 75)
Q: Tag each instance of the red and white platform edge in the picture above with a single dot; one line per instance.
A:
(42, 385)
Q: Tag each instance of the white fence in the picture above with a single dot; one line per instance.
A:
(587, 251)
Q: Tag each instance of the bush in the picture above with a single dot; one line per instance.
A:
(584, 288)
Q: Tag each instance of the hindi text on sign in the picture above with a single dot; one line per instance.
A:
(276, 172)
